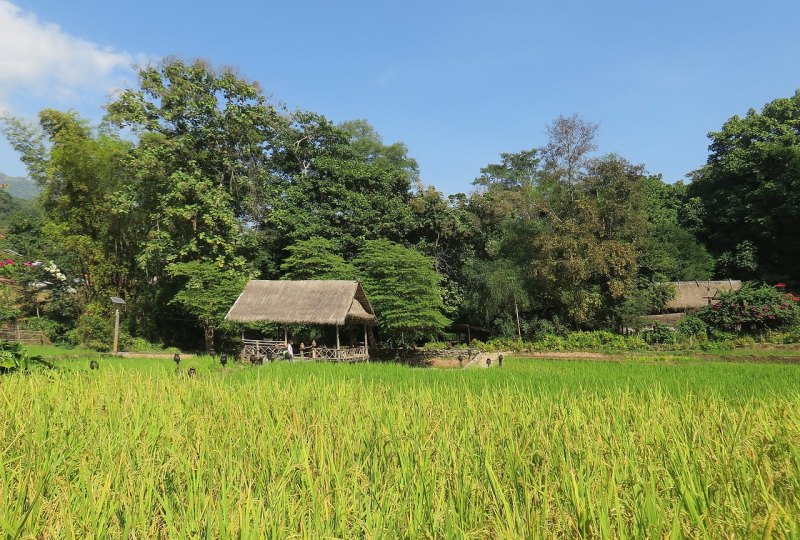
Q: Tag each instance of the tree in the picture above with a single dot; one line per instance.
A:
(204, 136)
(586, 255)
(571, 139)
(340, 183)
(403, 287)
(316, 258)
(750, 191)
(81, 171)
(207, 293)
(670, 251)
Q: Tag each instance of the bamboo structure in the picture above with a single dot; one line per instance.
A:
(316, 302)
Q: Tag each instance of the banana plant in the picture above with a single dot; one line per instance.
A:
(14, 358)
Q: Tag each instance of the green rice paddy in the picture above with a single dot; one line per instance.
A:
(646, 448)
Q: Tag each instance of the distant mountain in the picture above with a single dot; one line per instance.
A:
(20, 187)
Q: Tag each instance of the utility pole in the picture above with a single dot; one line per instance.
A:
(117, 302)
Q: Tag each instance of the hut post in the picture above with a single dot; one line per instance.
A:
(285, 335)
(337, 337)
(365, 338)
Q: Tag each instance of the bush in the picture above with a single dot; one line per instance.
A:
(504, 344)
(549, 342)
(93, 331)
(53, 330)
(753, 308)
(658, 334)
(141, 345)
(599, 339)
(435, 345)
(690, 325)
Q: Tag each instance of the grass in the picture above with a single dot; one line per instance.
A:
(640, 448)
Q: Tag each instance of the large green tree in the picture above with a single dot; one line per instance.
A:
(316, 258)
(340, 183)
(81, 172)
(750, 192)
(403, 287)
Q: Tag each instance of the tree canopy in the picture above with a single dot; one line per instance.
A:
(195, 179)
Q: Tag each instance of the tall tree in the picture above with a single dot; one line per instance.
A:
(570, 141)
(342, 184)
(404, 289)
(316, 258)
(81, 172)
(750, 192)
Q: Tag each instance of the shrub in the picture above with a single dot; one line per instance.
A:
(658, 334)
(550, 342)
(435, 345)
(504, 344)
(137, 344)
(599, 339)
(14, 358)
(753, 308)
(690, 325)
(93, 331)
(52, 329)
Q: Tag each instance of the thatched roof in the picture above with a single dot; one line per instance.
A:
(696, 294)
(304, 302)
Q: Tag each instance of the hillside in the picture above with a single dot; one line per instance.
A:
(20, 187)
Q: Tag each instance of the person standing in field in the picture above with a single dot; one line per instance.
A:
(289, 351)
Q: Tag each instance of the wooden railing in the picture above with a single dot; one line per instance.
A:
(262, 349)
(348, 354)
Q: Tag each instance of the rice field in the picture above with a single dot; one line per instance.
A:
(538, 448)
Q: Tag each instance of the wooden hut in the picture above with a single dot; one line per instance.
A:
(317, 302)
(692, 295)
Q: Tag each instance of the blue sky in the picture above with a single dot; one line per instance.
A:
(458, 82)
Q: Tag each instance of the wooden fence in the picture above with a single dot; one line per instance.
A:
(261, 349)
(21, 335)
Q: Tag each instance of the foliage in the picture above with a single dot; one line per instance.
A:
(690, 325)
(94, 329)
(750, 192)
(207, 293)
(403, 288)
(14, 358)
(316, 258)
(658, 333)
(754, 308)
(195, 164)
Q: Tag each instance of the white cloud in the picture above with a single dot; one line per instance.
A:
(41, 59)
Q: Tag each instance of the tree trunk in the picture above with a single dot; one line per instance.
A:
(209, 337)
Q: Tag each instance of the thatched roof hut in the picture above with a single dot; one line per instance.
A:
(697, 294)
(324, 302)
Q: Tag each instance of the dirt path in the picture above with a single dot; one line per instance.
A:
(152, 355)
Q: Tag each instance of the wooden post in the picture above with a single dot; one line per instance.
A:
(116, 331)
(365, 337)
(285, 335)
(337, 337)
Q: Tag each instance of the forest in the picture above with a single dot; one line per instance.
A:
(196, 181)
